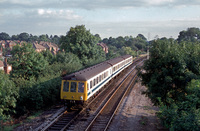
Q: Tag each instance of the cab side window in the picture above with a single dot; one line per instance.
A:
(66, 86)
(73, 87)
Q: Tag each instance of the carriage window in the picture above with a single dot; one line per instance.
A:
(97, 80)
(81, 87)
(106, 73)
(66, 86)
(90, 84)
(73, 87)
(100, 78)
(94, 82)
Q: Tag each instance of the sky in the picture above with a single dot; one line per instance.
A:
(108, 18)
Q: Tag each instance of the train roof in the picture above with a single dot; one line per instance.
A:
(86, 74)
(126, 56)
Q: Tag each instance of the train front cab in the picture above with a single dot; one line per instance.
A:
(74, 92)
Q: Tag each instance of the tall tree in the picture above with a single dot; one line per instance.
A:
(166, 73)
(26, 62)
(81, 42)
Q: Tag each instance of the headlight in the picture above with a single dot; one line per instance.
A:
(81, 97)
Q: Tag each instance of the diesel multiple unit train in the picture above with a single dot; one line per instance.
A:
(79, 87)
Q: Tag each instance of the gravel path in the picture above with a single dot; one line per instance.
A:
(136, 113)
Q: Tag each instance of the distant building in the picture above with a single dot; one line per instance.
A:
(2, 43)
(10, 44)
(1, 65)
(104, 47)
(50, 46)
(38, 47)
(1, 52)
(5, 66)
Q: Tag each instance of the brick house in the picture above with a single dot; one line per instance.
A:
(38, 47)
(50, 46)
(5, 66)
(10, 44)
(104, 47)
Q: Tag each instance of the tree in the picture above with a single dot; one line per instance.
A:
(4, 36)
(8, 95)
(44, 38)
(140, 36)
(128, 50)
(98, 37)
(23, 36)
(192, 34)
(55, 39)
(184, 115)
(166, 74)
(33, 38)
(48, 56)
(14, 37)
(26, 63)
(81, 42)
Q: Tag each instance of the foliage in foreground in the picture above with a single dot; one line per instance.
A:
(184, 115)
(172, 77)
(8, 95)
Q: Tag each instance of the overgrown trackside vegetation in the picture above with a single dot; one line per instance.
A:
(172, 78)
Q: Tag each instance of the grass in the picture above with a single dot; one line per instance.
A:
(33, 116)
(146, 107)
(143, 120)
(9, 127)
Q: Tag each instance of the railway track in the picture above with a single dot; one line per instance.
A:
(104, 117)
(68, 120)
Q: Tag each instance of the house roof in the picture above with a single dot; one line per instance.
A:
(37, 46)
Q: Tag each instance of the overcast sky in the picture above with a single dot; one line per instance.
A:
(104, 17)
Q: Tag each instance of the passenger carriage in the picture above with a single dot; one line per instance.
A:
(78, 87)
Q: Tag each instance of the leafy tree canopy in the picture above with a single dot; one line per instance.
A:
(23, 36)
(184, 115)
(81, 42)
(191, 34)
(26, 63)
(4, 36)
(170, 67)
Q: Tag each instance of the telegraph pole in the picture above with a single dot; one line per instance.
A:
(148, 46)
